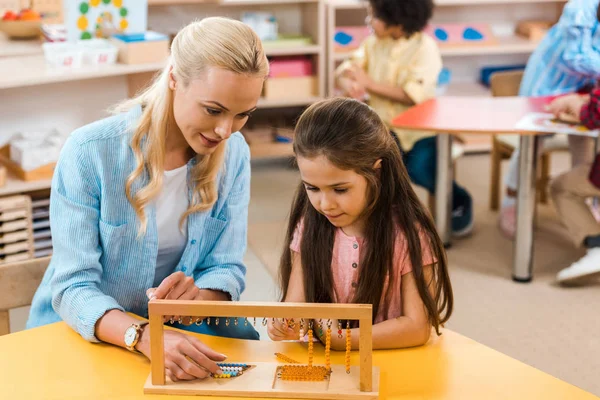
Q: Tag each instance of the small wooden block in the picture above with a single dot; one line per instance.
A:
(533, 30)
(261, 382)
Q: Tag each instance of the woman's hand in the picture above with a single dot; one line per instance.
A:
(186, 357)
(568, 107)
(176, 286)
(283, 330)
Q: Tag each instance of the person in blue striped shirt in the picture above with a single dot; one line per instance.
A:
(153, 203)
(566, 61)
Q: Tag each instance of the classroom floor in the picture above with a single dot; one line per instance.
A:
(552, 328)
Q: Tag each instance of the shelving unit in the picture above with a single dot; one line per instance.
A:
(294, 17)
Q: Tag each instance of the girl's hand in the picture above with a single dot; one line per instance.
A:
(176, 286)
(568, 107)
(186, 357)
(282, 330)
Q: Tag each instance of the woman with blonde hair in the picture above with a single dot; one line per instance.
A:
(153, 202)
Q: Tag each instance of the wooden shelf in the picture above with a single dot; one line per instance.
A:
(32, 70)
(292, 51)
(347, 4)
(282, 103)
(16, 48)
(16, 186)
(506, 45)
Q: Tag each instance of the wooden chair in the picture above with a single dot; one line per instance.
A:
(18, 283)
(507, 84)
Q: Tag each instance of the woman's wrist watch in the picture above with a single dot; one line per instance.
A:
(133, 334)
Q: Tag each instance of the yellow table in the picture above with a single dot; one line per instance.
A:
(53, 362)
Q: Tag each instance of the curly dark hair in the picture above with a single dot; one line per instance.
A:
(411, 15)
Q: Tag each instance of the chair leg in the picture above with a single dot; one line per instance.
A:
(544, 178)
(4, 322)
(495, 179)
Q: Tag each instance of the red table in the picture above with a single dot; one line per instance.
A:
(482, 115)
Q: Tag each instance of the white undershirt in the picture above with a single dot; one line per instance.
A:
(171, 203)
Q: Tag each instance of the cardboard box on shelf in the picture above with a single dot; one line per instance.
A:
(143, 48)
(290, 87)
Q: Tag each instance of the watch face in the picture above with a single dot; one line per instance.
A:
(130, 335)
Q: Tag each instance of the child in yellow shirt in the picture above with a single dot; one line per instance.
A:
(398, 67)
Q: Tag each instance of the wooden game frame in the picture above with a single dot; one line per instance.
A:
(341, 385)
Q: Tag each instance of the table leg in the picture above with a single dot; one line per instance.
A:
(523, 247)
(443, 188)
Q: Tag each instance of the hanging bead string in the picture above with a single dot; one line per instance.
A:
(328, 346)
(301, 334)
(320, 328)
(348, 346)
(339, 329)
(310, 343)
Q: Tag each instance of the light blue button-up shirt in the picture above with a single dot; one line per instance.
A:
(568, 58)
(98, 262)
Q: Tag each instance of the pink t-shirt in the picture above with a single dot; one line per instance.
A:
(345, 262)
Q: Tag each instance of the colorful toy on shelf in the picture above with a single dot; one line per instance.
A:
(269, 379)
(263, 23)
(86, 19)
(348, 38)
(533, 30)
(461, 34)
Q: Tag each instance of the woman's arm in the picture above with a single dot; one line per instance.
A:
(580, 56)
(74, 219)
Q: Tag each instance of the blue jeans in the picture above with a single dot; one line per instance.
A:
(421, 164)
(232, 331)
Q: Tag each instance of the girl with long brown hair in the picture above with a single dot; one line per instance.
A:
(357, 231)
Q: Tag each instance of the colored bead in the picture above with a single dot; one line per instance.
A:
(348, 346)
(310, 347)
(285, 358)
